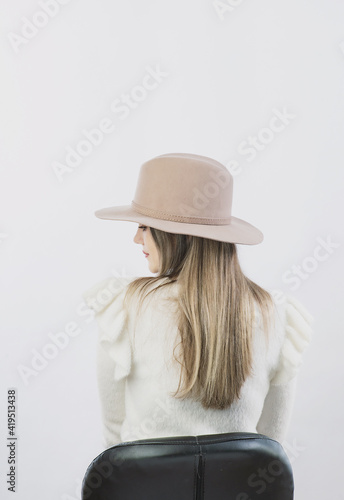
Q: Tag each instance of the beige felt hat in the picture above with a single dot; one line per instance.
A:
(185, 194)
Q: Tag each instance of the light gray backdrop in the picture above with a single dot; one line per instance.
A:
(89, 91)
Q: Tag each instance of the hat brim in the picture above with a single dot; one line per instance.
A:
(238, 231)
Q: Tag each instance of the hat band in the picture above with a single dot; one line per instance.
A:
(158, 214)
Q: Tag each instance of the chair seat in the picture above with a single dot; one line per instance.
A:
(238, 466)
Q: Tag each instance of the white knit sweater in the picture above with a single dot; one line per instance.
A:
(137, 375)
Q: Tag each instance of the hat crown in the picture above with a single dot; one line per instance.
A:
(186, 188)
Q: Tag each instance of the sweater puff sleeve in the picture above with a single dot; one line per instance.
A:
(298, 333)
(106, 299)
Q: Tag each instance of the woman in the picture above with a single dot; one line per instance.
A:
(198, 348)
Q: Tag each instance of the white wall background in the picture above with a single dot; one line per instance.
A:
(224, 77)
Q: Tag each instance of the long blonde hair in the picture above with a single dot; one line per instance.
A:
(216, 305)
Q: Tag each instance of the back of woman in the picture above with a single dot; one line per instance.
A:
(199, 348)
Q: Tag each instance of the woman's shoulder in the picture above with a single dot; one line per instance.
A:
(106, 298)
(105, 291)
(296, 328)
(117, 323)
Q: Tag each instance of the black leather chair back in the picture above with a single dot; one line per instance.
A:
(231, 466)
